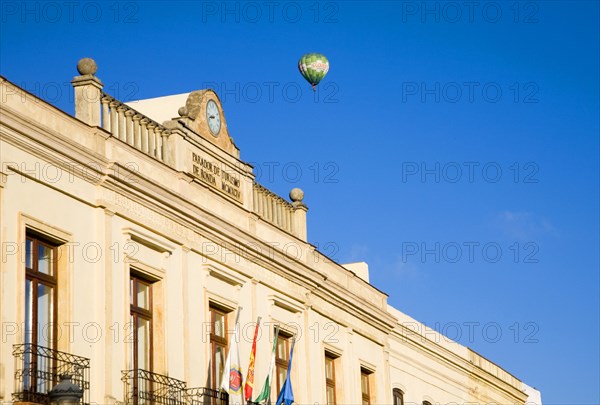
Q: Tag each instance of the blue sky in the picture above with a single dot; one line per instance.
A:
(454, 149)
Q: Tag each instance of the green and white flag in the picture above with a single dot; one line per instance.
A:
(265, 393)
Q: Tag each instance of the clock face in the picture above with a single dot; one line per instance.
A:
(213, 117)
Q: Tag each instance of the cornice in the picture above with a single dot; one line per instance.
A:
(28, 136)
(443, 355)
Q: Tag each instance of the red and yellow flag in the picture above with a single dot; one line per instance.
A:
(250, 377)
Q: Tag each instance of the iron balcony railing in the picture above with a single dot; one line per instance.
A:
(144, 388)
(206, 396)
(38, 370)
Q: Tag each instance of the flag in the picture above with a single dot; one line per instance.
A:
(265, 394)
(250, 376)
(231, 382)
(286, 396)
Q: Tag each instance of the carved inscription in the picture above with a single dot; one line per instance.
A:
(216, 176)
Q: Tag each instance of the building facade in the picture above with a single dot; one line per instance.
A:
(133, 234)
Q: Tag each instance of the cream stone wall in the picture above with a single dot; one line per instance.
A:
(118, 209)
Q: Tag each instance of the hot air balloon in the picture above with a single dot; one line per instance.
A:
(314, 67)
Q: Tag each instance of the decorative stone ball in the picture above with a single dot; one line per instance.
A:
(87, 66)
(296, 194)
(183, 111)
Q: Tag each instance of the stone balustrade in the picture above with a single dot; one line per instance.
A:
(133, 128)
(272, 208)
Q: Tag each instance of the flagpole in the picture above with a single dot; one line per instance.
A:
(227, 369)
(237, 318)
(275, 346)
(286, 395)
(249, 387)
(276, 332)
(237, 322)
(265, 392)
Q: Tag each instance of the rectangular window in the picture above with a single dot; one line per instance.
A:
(282, 353)
(330, 378)
(40, 310)
(40, 293)
(140, 298)
(365, 386)
(218, 345)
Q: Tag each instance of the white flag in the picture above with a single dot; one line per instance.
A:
(231, 382)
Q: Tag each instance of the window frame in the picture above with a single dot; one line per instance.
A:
(31, 324)
(366, 396)
(398, 396)
(36, 277)
(136, 312)
(330, 382)
(215, 342)
(281, 364)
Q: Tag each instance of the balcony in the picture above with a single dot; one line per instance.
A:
(144, 388)
(206, 396)
(38, 369)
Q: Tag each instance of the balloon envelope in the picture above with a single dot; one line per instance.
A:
(314, 67)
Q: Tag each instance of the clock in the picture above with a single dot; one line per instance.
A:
(213, 117)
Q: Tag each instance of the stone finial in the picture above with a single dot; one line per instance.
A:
(296, 195)
(88, 93)
(87, 66)
(298, 213)
(183, 111)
